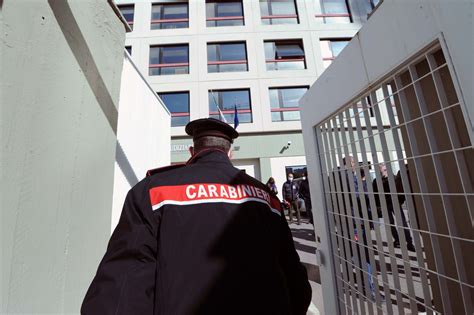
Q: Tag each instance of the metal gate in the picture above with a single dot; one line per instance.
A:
(397, 170)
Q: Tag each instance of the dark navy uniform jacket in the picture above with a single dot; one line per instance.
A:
(202, 238)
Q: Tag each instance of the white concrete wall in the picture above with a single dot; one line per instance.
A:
(250, 166)
(60, 77)
(394, 33)
(143, 134)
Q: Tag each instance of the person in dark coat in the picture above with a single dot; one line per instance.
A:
(290, 197)
(391, 209)
(200, 238)
(305, 193)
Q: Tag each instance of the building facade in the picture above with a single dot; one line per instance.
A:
(390, 157)
(254, 58)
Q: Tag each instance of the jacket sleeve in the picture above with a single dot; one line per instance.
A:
(295, 273)
(125, 279)
(283, 192)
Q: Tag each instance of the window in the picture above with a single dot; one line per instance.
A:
(278, 12)
(226, 57)
(169, 15)
(284, 103)
(224, 13)
(330, 49)
(178, 104)
(334, 12)
(129, 49)
(169, 59)
(127, 12)
(227, 101)
(285, 55)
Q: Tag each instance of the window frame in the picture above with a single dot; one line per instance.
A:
(177, 114)
(129, 5)
(232, 110)
(277, 60)
(272, 16)
(163, 21)
(168, 65)
(280, 101)
(331, 40)
(227, 62)
(324, 15)
(216, 18)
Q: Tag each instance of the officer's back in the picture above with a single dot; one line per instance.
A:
(201, 238)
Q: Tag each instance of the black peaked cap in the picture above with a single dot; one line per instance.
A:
(211, 127)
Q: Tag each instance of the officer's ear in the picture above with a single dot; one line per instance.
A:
(230, 154)
(191, 150)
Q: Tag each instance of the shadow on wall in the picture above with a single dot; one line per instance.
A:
(84, 58)
(80, 49)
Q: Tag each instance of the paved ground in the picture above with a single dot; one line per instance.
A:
(303, 236)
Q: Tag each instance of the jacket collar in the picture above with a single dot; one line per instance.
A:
(213, 155)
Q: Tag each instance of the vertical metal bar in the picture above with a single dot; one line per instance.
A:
(344, 202)
(387, 158)
(462, 169)
(337, 200)
(357, 210)
(396, 207)
(324, 148)
(383, 204)
(452, 132)
(378, 236)
(349, 193)
(426, 202)
(421, 102)
(410, 205)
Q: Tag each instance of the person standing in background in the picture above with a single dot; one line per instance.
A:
(290, 197)
(271, 185)
(391, 209)
(305, 193)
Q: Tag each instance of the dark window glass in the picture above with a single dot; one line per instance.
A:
(178, 104)
(334, 12)
(169, 15)
(284, 55)
(278, 12)
(224, 13)
(227, 100)
(284, 103)
(227, 57)
(129, 49)
(127, 12)
(169, 60)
